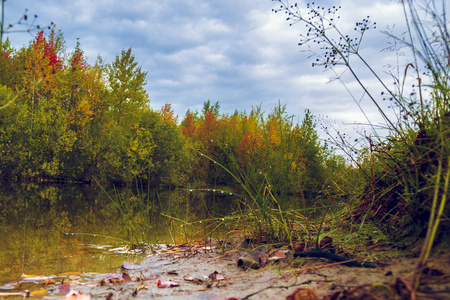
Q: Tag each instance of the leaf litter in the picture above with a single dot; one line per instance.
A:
(196, 271)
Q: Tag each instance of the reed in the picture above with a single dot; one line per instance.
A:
(136, 212)
(406, 173)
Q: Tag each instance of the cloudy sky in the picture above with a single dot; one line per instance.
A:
(237, 52)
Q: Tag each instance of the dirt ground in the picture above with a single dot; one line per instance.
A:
(213, 275)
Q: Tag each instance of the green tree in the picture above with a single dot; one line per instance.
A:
(126, 82)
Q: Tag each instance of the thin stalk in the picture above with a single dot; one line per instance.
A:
(433, 223)
(2, 24)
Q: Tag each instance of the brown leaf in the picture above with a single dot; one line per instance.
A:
(193, 279)
(216, 276)
(303, 294)
(298, 248)
(278, 256)
(126, 277)
(326, 242)
(48, 281)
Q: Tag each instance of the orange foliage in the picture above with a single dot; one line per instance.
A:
(208, 129)
(167, 113)
(188, 126)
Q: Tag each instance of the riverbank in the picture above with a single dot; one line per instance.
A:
(213, 272)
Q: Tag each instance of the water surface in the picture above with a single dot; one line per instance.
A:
(55, 229)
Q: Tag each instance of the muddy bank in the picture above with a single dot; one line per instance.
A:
(215, 275)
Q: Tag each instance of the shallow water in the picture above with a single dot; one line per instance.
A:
(54, 229)
(73, 229)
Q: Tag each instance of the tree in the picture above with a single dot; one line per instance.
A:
(126, 81)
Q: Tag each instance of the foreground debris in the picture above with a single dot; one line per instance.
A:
(210, 272)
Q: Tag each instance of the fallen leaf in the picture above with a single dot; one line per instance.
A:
(278, 256)
(113, 276)
(64, 288)
(334, 296)
(173, 272)
(36, 277)
(116, 277)
(193, 279)
(14, 294)
(261, 260)
(166, 284)
(8, 286)
(39, 293)
(326, 242)
(47, 281)
(298, 248)
(73, 295)
(126, 277)
(303, 294)
(29, 276)
(152, 276)
(216, 276)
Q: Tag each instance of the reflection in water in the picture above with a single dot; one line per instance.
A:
(35, 220)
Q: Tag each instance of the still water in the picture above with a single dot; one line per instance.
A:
(54, 229)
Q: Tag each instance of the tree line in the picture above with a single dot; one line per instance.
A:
(65, 119)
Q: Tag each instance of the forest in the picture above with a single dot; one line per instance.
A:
(66, 120)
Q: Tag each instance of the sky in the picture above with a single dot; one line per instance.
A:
(237, 52)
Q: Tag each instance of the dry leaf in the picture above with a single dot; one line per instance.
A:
(303, 294)
(193, 279)
(39, 293)
(64, 288)
(166, 284)
(216, 276)
(73, 295)
(36, 277)
(126, 277)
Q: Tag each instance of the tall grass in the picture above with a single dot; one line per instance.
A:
(273, 179)
(406, 173)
